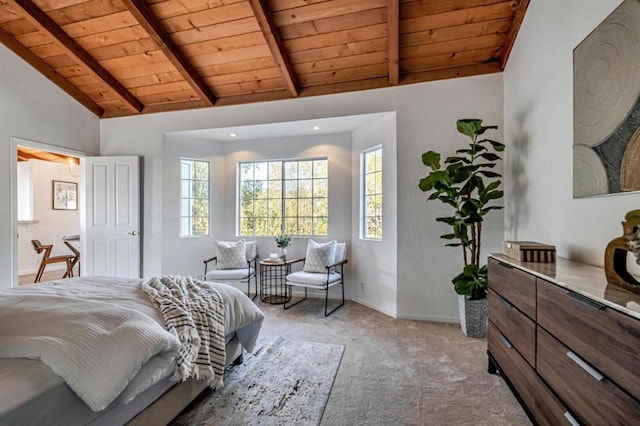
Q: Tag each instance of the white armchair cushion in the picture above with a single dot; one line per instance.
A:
(231, 255)
(229, 274)
(312, 278)
(319, 256)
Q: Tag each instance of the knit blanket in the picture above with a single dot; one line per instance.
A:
(194, 313)
(96, 347)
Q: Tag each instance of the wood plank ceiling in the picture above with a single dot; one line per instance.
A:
(126, 57)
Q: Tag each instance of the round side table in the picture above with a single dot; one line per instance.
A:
(273, 288)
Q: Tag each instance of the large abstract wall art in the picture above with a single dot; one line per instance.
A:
(606, 120)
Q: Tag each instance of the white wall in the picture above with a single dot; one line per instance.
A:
(33, 108)
(51, 225)
(185, 256)
(426, 115)
(374, 263)
(538, 109)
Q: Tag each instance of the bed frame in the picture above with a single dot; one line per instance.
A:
(176, 399)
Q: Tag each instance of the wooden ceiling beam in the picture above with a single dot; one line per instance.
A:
(513, 32)
(45, 24)
(274, 41)
(393, 20)
(26, 154)
(144, 15)
(29, 57)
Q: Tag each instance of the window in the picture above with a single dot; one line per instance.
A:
(371, 205)
(194, 198)
(290, 197)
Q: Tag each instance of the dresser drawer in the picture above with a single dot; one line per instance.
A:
(514, 325)
(543, 406)
(516, 286)
(607, 339)
(582, 388)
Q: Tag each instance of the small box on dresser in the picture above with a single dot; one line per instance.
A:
(529, 251)
(584, 366)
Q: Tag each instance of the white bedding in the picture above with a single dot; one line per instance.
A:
(241, 317)
(82, 341)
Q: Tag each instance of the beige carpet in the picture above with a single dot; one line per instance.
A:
(400, 372)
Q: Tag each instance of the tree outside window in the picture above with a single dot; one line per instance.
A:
(194, 197)
(371, 223)
(289, 197)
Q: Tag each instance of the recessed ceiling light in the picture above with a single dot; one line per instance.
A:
(315, 128)
(233, 135)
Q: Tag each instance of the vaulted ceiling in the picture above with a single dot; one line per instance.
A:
(127, 57)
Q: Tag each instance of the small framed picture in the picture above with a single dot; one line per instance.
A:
(65, 195)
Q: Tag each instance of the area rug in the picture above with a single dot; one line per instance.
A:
(284, 382)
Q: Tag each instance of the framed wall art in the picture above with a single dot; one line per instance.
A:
(606, 119)
(65, 195)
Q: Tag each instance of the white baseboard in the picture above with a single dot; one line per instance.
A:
(49, 267)
(449, 320)
(375, 308)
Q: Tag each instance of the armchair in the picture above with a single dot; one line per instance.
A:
(222, 271)
(332, 275)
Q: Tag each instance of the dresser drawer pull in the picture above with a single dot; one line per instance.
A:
(505, 341)
(572, 420)
(505, 303)
(586, 367)
(586, 301)
(505, 265)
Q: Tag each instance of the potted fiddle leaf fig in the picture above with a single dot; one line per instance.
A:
(467, 182)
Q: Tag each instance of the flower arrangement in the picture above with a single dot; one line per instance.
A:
(282, 240)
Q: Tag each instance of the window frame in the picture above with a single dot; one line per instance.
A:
(363, 193)
(282, 199)
(181, 198)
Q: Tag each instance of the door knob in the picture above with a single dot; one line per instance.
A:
(133, 233)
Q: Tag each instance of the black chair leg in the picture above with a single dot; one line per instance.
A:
(255, 279)
(294, 304)
(326, 301)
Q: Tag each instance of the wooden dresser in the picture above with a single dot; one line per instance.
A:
(567, 344)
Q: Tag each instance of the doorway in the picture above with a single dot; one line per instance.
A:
(46, 192)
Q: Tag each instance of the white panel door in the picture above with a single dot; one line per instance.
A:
(111, 224)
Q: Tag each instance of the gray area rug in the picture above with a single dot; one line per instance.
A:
(283, 382)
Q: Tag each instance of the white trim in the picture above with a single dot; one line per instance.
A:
(448, 320)
(375, 308)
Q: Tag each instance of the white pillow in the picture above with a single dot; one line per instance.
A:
(319, 256)
(341, 252)
(251, 248)
(231, 255)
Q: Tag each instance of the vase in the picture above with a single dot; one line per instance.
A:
(473, 316)
(282, 253)
(615, 259)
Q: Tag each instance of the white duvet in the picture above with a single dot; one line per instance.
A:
(97, 332)
(82, 341)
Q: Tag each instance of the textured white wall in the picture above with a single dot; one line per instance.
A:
(374, 281)
(33, 108)
(538, 110)
(185, 256)
(426, 115)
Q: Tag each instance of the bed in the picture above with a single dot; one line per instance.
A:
(31, 394)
